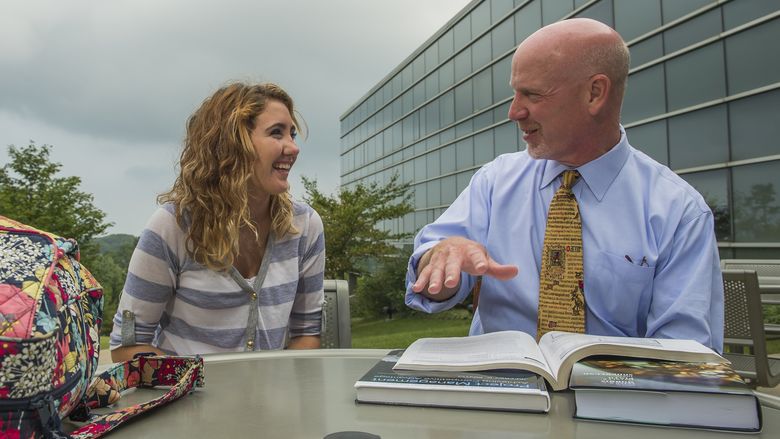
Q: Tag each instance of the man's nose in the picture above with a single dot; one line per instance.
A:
(517, 111)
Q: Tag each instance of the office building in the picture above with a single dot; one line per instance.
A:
(703, 98)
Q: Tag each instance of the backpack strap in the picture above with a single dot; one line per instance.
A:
(183, 374)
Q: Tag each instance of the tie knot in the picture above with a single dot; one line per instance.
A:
(569, 178)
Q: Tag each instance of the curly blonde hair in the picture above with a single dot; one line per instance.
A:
(217, 162)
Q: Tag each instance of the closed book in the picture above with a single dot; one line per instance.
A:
(494, 390)
(675, 394)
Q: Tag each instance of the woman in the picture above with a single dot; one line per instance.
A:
(228, 262)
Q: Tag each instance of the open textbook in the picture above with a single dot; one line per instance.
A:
(552, 358)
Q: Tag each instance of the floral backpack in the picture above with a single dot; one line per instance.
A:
(50, 312)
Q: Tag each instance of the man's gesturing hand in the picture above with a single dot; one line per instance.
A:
(438, 272)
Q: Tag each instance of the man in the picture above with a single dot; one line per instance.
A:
(650, 264)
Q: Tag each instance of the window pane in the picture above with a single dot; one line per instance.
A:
(674, 9)
(699, 138)
(463, 180)
(420, 171)
(445, 45)
(499, 8)
(481, 53)
(431, 57)
(713, 186)
(420, 199)
(418, 68)
(757, 202)
(747, 50)
(646, 51)
(501, 113)
(528, 20)
(448, 189)
(755, 126)
(480, 19)
(696, 77)
(432, 117)
(483, 95)
(462, 32)
(463, 64)
(431, 86)
(446, 75)
(601, 11)
(501, 72)
(650, 138)
(739, 12)
(464, 128)
(644, 95)
(554, 10)
(434, 192)
(463, 100)
(507, 139)
(465, 153)
(483, 120)
(447, 159)
(420, 218)
(636, 17)
(407, 172)
(419, 94)
(756, 253)
(693, 31)
(483, 147)
(447, 105)
(503, 38)
(407, 101)
(433, 162)
(406, 77)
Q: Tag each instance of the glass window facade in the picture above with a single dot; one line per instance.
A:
(702, 98)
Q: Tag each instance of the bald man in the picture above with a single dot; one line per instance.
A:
(650, 257)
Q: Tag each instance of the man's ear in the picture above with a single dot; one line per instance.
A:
(600, 88)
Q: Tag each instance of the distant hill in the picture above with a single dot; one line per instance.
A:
(116, 243)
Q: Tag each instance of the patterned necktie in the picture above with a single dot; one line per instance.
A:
(561, 298)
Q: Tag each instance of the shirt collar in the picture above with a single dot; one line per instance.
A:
(597, 174)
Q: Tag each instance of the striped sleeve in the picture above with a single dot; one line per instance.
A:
(151, 278)
(306, 315)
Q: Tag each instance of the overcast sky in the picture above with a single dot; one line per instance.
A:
(110, 83)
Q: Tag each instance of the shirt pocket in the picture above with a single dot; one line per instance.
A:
(618, 293)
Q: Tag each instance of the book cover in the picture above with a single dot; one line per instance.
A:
(508, 390)
(696, 395)
(670, 376)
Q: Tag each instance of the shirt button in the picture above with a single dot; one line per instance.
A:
(250, 344)
(253, 296)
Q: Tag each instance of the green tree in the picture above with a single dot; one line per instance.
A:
(32, 193)
(383, 290)
(351, 220)
(110, 268)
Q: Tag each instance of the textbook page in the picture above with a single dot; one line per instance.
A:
(562, 349)
(495, 350)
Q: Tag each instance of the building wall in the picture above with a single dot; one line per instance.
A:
(703, 98)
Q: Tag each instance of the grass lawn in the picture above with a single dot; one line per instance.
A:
(401, 332)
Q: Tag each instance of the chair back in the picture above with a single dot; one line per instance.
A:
(744, 323)
(768, 270)
(336, 328)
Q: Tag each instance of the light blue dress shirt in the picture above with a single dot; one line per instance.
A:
(649, 250)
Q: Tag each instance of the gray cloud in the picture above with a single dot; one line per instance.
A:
(108, 80)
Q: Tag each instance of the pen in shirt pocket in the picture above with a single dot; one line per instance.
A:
(643, 262)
